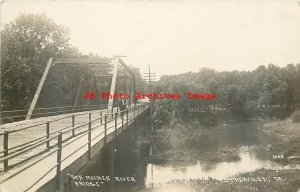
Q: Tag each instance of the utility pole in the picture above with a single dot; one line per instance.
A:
(148, 77)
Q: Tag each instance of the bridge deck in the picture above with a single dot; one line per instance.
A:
(42, 163)
(56, 122)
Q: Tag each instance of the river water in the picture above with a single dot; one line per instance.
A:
(126, 158)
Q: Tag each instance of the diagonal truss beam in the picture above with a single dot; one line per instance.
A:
(113, 84)
(72, 61)
(38, 91)
(133, 78)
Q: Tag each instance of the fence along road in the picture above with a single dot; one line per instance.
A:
(32, 161)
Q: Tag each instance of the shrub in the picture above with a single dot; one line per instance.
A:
(296, 116)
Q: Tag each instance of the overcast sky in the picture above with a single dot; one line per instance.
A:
(178, 36)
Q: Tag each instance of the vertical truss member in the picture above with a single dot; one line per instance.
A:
(76, 62)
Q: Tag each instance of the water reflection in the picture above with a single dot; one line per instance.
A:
(125, 157)
(174, 188)
(250, 141)
(162, 174)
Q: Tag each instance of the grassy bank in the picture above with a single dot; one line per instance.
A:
(180, 131)
(289, 132)
(261, 180)
(179, 156)
(287, 180)
(177, 129)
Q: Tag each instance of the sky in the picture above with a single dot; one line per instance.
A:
(177, 36)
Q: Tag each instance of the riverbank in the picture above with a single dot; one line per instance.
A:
(261, 180)
(286, 141)
(179, 156)
(289, 132)
(192, 130)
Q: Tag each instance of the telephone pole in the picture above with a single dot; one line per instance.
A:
(149, 77)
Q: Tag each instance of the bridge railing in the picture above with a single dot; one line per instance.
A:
(36, 142)
(103, 119)
(18, 115)
(46, 134)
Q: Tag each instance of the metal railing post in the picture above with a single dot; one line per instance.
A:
(58, 167)
(116, 124)
(122, 122)
(112, 112)
(105, 129)
(73, 125)
(48, 134)
(101, 117)
(5, 147)
(90, 136)
(126, 118)
(70, 184)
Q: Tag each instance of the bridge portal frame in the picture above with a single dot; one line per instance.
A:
(77, 61)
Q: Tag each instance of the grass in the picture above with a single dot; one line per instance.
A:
(190, 156)
(289, 183)
(288, 131)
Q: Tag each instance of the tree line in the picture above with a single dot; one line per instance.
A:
(26, 45)
(31, 39)
(267, 91)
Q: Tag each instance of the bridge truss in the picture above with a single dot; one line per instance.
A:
(96, 66)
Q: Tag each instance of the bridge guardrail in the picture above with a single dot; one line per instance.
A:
(29, 146)
(47, 135)
(17, 115)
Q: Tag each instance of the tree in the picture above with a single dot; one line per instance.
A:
(27, 44)
(290, 78)
(267, 91)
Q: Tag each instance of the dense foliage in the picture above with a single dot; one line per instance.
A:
(26, 45)
(266, 91)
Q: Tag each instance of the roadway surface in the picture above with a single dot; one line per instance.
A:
(73, 147)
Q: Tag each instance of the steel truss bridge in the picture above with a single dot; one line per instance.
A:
(45, 144)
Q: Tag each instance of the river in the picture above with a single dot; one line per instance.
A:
(125, 158)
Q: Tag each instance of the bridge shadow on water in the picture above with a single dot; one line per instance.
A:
(119, 167)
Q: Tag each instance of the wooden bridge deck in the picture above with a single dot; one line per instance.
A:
(56, 123)
(38, 166)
